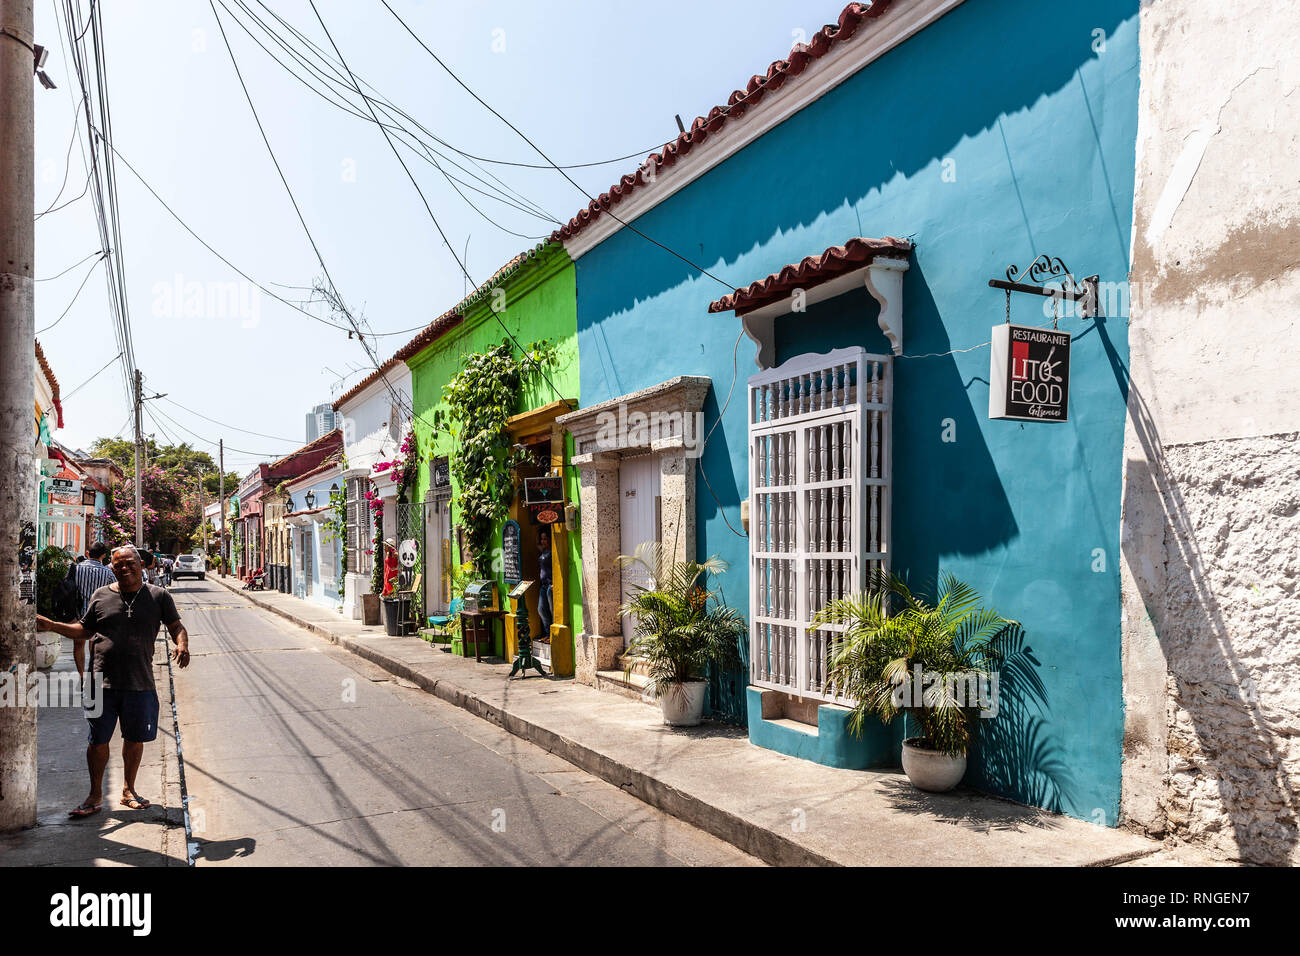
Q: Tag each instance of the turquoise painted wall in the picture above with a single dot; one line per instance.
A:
(1036, 131)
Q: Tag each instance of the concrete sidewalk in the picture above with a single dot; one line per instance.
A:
(115, 836)
(780, 809)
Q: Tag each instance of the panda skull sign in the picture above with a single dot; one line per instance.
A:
(408, 553)
(1029, 374)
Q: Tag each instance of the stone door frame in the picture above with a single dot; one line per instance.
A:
(660, 420)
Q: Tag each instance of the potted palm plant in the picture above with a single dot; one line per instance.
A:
(682, 629)
(937, 663)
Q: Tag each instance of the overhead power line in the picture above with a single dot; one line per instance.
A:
(238, 271)
(75, 295)
(225, 424)
(698, 268)
(289, 191)
(97, 252)
(456, 149)
(92, 378)
(208, 441)
(416, 145)
(427, 207)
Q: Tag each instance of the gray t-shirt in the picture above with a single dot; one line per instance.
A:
(122, 645)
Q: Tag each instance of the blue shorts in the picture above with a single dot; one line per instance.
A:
(137, 710)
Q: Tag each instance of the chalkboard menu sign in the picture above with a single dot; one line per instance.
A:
(511, 554)
(1029, 374)
(442, 472)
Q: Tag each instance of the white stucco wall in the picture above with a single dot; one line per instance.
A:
(366, 421)
(1211, 531)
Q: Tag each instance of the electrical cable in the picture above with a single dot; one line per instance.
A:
(67, 161)
(92, 378)
(75, 296)
(213, 444)
(428, 152)
(548, 159)
(456, 149)
(97, 252)
(429, 210)
(238, 271)
(225, 424)
(333, 288)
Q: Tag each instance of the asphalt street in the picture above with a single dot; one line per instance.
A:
(300, 753)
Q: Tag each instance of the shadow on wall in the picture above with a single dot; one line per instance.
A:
(1012, 752)
(1233, 747)
(951, 502)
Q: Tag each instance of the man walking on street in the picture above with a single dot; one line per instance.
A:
(92, 575)
(121, 622)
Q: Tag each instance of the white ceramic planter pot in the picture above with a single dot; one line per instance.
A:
(932, 770)
(683, 704)
(48, 647)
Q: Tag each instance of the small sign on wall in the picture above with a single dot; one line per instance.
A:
(512, 556)
(1029, 374)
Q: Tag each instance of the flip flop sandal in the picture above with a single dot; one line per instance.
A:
(85, 810)
(136, 803)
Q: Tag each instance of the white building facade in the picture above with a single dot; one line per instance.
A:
(374, 417)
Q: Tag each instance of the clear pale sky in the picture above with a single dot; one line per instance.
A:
(585, 80)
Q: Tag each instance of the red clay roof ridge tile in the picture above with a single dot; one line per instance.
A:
(851, 17)
(812, 271)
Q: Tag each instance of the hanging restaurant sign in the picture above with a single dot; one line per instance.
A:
(546, 490)
(1046, 269)
(65, 490)
(1029, 374)
(546, 514)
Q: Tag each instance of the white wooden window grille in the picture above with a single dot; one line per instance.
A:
(820, 448)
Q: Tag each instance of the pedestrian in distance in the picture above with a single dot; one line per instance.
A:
(121, 625)
(92, 575)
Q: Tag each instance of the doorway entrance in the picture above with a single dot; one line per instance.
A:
(639, 521)
(437, 559)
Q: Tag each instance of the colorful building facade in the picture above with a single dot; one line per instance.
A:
(854, 204)
(531, 299)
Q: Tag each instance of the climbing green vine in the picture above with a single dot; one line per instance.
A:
(481, 397)
(335, 528)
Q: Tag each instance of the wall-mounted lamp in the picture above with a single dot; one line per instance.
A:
(310, 498)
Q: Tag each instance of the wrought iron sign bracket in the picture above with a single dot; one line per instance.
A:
(1048, 269)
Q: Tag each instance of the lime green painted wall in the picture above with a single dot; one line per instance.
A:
(540, 302)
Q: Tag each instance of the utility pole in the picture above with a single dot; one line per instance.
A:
(221, 495)
(203, 521)
(139, 508)
(17, 399)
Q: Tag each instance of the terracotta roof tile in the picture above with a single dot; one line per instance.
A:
(334, 437)
(44, 365)
(851, 17)
(811, 272)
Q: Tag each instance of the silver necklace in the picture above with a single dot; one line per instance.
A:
(133, 600)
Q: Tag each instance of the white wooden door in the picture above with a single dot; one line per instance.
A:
(307, 573)
(638, 515)
(435, 534)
